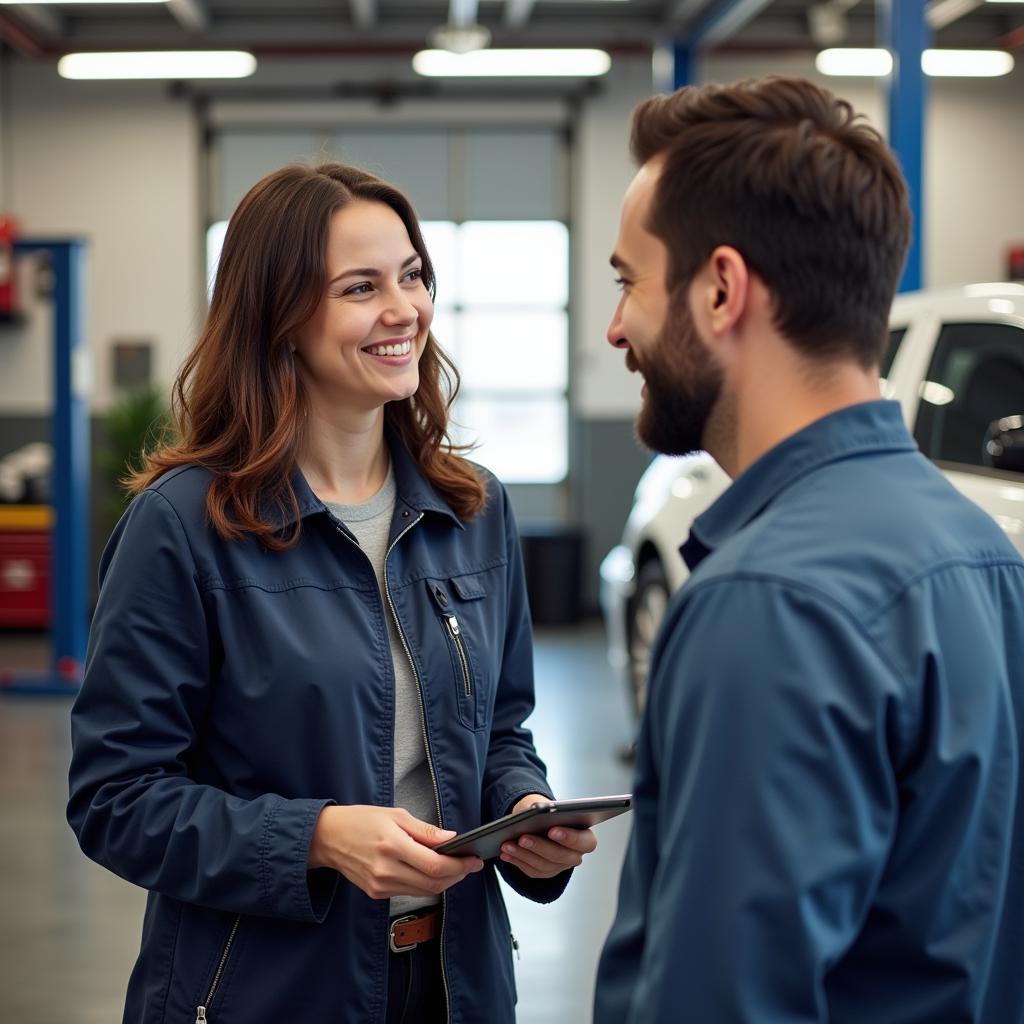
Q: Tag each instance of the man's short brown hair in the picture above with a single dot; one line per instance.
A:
(786, 173)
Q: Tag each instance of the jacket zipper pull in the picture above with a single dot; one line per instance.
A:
(515, 946)
(453, 625)
(200, 1015)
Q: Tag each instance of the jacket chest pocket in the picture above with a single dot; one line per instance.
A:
(459, 604)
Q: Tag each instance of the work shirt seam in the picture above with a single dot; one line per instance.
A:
(826, 600)
(991, 562)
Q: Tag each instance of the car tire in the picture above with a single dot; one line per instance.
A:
(646, 613)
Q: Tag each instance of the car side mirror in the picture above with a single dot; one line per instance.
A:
(1004, 444)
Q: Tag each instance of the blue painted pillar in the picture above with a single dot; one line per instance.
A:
(70, 436)
(673, 65)
(903, 30)
(682, 64)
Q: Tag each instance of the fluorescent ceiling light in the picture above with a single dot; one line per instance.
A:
(511, 63)
(63, 2)
(877, 63)
(854, 63)
(967, 63)
(174, 64)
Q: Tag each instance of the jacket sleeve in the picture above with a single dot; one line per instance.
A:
(513, 769)
(765, 806)
(137, 728)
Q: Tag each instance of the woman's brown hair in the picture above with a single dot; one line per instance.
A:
(238, 403)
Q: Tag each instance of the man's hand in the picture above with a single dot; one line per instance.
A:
(386, 852)
(540, 857)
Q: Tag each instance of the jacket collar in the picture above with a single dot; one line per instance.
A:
(865, 428)
(412, 487)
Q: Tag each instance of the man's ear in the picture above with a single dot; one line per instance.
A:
(726, 289)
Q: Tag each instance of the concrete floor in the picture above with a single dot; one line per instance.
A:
(69, 930)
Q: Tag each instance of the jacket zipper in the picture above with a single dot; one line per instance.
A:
(508, 923)
(201, 1009)
(426, 744)
(456, 635)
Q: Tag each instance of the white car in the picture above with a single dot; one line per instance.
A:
(955, 363)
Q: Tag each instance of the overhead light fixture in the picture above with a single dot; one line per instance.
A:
(877, 63)
(966, 63)
(578, 63)
(51, 3)
(459, 38)
(158, 64)
(854, 63)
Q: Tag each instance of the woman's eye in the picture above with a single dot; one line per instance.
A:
(621, 283)
(359, 289)
(415, 274)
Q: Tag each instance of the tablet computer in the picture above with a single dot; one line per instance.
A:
(485, 841)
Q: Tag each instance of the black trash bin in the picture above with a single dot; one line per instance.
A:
(553, 559)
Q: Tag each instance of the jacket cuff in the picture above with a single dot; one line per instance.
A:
(512, 788)
(289, 888)
(539, 890)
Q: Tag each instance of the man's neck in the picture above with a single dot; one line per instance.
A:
(778, 393)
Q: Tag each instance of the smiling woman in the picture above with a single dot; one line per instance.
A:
(318, 265)
(311, 659)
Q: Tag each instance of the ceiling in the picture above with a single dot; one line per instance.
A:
(356, 28)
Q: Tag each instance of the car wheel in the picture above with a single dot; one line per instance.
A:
(646, 612)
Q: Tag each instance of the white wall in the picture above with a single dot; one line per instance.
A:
(117, 165)
(603, 169)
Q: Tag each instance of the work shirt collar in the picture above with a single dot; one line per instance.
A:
(868, 427)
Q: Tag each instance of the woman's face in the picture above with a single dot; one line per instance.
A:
(363, 345)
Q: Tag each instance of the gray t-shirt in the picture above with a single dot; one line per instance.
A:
(414, 790)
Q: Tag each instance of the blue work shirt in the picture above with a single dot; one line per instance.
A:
(829, 817)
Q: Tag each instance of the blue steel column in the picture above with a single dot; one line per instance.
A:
(71, 466)
(70, 436)
(682, 64)
(672, 65)
(902, 28)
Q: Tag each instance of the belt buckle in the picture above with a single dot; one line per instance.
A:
(391, 934)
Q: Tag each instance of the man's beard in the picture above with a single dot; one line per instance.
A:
(683, 386)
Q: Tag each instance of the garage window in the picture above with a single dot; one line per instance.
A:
(493, 205)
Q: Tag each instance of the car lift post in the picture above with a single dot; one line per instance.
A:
(70, 436)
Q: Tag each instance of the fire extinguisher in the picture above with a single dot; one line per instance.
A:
(8, 287)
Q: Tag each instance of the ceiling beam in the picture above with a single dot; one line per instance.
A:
(42, 19)
(364, 12)
(20, 39)
(462, 12)
(683, 10)
(517, 12)
(941, 13)
(191, 15)
(720, 20)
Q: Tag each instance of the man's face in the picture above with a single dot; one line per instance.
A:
(682, 380)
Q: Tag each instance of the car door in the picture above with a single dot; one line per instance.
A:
(975, 375)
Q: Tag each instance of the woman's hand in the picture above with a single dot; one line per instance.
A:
(386, 852)
(538, 857)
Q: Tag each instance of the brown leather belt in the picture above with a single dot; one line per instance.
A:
(409, 931)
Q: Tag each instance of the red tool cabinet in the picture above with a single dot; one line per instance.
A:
(25, 566)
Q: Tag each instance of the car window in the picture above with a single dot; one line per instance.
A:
(976, 376)
(895, 340)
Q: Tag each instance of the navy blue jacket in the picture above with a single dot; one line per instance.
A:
(231, 692)
(829, 802)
